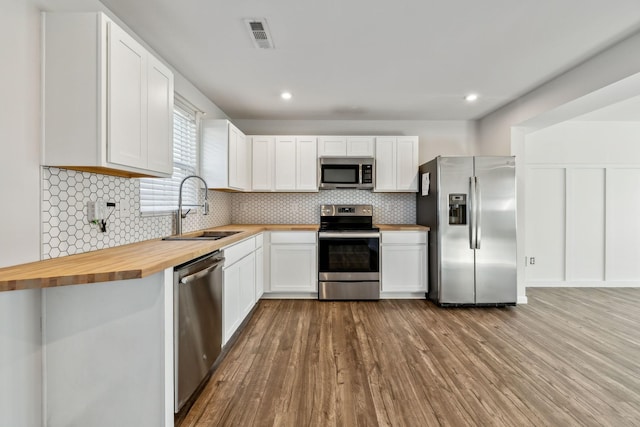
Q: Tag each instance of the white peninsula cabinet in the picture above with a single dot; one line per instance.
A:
(397, 164)
(293, 264)
(404, 264)
(284, 163)
(241, 275)
(108, 102)
(224, 156)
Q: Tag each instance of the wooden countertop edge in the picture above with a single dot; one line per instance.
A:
(115, 263)
(402, 227)
(106, 265)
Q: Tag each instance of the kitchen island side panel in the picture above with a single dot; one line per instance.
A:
(104, 346)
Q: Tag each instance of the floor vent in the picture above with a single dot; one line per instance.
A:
(259, 31)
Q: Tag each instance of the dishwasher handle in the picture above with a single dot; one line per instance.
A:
(195, 276)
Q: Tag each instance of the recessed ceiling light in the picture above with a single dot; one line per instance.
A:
(285, 95)
(471, 97)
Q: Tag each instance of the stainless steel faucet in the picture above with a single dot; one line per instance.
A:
(179, 215)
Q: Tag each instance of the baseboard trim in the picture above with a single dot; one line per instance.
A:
(522, 299)
(585, 284)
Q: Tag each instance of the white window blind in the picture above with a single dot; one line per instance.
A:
(160, 195)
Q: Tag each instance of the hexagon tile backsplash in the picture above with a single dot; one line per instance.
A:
(304, 208)
(66, 231)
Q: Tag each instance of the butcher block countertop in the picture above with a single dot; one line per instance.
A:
(137, 260)
(130, 261)
(402, 227)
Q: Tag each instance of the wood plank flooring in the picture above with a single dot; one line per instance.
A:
(569, 357)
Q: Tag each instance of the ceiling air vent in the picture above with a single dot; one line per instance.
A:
(259, 31)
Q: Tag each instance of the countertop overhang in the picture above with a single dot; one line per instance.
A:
(137, 260)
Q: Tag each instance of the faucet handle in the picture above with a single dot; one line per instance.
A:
(205, 207)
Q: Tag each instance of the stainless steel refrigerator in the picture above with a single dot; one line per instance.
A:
(470, 205)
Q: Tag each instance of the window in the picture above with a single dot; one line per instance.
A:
(160, 195)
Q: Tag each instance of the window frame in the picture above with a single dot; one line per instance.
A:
(165, 188)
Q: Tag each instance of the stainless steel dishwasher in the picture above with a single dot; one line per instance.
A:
(197, 332)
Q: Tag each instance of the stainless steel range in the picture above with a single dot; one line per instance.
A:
(349, 253)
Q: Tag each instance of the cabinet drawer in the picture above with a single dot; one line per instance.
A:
(238, 250)
(404, 237)
(293, 237)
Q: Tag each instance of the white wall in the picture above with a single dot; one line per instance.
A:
(610, 66)
(455, 137)
(582, 204)
(20, 338)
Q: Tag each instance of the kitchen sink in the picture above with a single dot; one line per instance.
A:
(203, 235)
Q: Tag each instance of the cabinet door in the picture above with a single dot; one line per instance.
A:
(404, 268)
(159, 117)
(247, 285)
(231, 301)
(259, 273)
(293, 268)
(360, 146)
(262, 163)
(335, 146)
(237, 154)
(126, 100)
(285, 163)
(407, 164)
(306, 164)
(385, 164)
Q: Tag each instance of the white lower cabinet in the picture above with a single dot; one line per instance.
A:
(240, 277)
(293, 262)
(260, 270)
(231, 318)
(404, 261)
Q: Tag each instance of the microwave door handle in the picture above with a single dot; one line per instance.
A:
(359, 173)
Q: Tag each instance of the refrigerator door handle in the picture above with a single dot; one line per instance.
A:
(472, 212)
(477, 204)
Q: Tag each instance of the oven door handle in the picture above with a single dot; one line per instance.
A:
(348, 235)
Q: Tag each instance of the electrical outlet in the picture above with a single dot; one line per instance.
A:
(96, 210)
(532, 260)
(125, 208)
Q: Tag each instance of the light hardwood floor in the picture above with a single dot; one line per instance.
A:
(569, 357)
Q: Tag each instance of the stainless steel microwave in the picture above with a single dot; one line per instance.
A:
(346, 172)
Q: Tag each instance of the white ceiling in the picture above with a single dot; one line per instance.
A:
(375, 59)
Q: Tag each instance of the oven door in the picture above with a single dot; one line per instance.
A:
(348, 256)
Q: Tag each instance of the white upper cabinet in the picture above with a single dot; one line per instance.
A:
(262, 159)
(350, 146)
(306, 164)
(108, 103)
(360, 146)
(225, 161)
(397, 164)
(332, 146)
(284, 163)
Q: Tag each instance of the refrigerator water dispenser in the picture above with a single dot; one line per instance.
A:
(457, 209)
